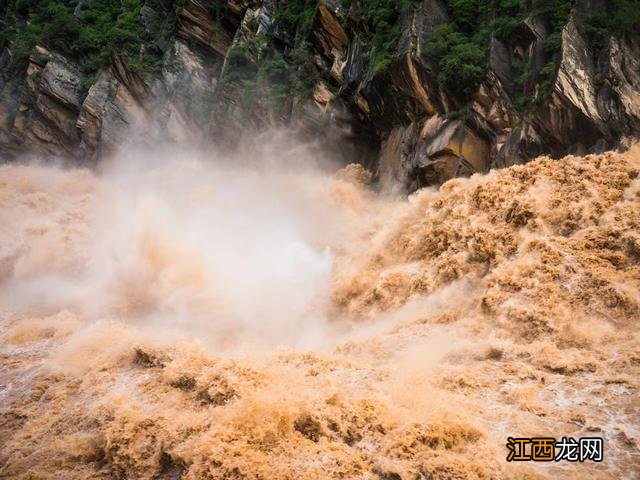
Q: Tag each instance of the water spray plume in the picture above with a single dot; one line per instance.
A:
(179, 315)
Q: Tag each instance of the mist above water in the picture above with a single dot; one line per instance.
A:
(179, 314)
(227, 251)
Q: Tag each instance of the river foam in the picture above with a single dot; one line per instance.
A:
(170, 316)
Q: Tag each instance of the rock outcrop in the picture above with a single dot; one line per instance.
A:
(57, 115)
(392, 115)
(196, 23)
(44, 120)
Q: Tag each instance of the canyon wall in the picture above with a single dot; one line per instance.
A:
(389, 110)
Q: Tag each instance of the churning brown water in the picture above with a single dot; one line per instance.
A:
(166, 319)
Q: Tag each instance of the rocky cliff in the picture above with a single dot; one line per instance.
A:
(418, 91)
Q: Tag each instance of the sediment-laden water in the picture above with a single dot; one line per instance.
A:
(163, 318)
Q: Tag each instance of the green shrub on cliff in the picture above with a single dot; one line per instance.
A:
(460, 60)
(49, 22)
(295, 17)
(89, 34)
(256, 77)
(620, 18)
(215, 7)
(379, 20)
(382, 22)
(459, 47)
(507, 17)
(91, 31)
(383, 18)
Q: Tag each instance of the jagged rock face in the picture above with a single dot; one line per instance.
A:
(572, 116)
(196, 23)
(328, 33)
(492, 109)
(409, 90)
(58, 116)
(432, 152)
(399, 121)
(623, 78)
(176, 107)
(46, 117)
(110, 111)
(331, 40)
(587, 110)
(188, 83)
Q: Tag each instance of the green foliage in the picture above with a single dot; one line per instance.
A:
(504, 27)
(466, 13)
(263, 72)
(547, 75)
(553, 43)
(257, 76)
(522, 79)
(260, 76)
(382, 22)
(215, 7)
(620, 18)
(104, 27)
(459, 47)
(507, 17)
(554, 12)
(461, 61)
(295, 17)
(382, 18)
(29, 22)
(306, 74)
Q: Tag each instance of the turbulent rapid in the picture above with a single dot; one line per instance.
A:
(169, 316)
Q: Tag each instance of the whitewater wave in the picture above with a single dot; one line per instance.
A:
(173, 317)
